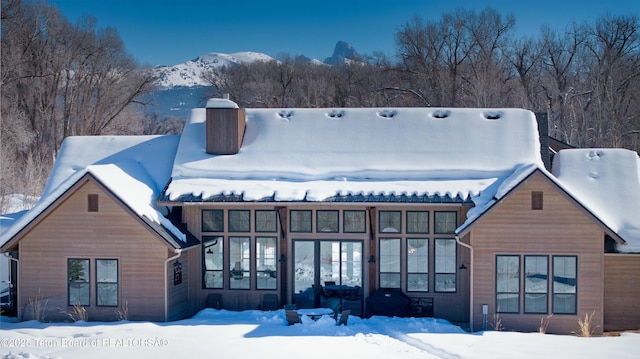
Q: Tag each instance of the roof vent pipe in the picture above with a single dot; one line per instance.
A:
(224, 127)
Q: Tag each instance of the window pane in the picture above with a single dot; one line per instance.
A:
(564, 284)
(79, 286)
(390, 221)
(266, 262)
(445, 222)
(535, 303)
(239, 263)
(354, 222)
(239, 221)
(507, 284)
(327, 221)
(300, 221)
(445, 255)
(389, 280)
(507, 303)
(212, 220)
(390, 263)
(107, 282)
(213, 261)
(417, 264)
(417, 282)
(445, 282)
(417, 222)
(535, 284)
(266, 221)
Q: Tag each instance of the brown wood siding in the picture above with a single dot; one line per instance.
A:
(70, 231)
(621, 291)
(224, 130)
(561, 228)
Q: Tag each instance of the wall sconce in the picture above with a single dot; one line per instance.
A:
(372, 259)
(462, 266)
(282, 259)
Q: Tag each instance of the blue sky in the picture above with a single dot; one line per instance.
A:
(165, 32)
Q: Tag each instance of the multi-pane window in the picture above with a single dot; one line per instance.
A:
(445, 265)
(417, 222)
(327, 221)
(535, 276)
(565, 284)
(266, 221)
(536, 288)
(507, 284)
(239, 263)
(354, 222)
(107, 282)
(212, 247)
(300, 221)
(417, 265)
(445, 221)
(389, 263)
(390, 221)
(239, 220)
(266, 262)
(213, 220)
(78, 286)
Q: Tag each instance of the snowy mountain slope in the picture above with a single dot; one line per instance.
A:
(190, 73)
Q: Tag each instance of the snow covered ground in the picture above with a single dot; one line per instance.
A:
(257, 334)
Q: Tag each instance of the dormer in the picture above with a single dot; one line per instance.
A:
(225, 126)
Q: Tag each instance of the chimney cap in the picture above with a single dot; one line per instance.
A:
(221, 103)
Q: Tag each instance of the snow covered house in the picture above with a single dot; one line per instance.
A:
(405, 211)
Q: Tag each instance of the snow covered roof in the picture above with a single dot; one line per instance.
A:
(316, 154)
(607, 181)
(134, 168)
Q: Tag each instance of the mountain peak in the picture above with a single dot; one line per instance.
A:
(343, 53)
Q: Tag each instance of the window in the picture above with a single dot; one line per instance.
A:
(266, 262)
(239, 263)
(212, 220)
(327, 221)
(390, 222)
(417, 222)
(417, 265)
(79, 287)
(239, 221)
(92, 203)
(266, 221)
(507, 284)
(565, 284)
(107, 282)
(390, 263)
(300, 221)
(354, 222)
(445, 265)
(537, 200)
(536, 287)
(445, 222)
(212, 248)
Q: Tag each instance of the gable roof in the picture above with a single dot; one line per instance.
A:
(130, 167)
(323, 154)
(608, 182)
(511, 184)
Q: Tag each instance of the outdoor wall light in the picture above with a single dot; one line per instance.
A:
(282, 259)
(372, 259)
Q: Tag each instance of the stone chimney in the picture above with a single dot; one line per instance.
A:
(225, 126)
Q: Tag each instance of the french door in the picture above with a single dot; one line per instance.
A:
(321, 263)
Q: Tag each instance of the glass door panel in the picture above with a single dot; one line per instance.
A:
(328, 274)
(304, 270)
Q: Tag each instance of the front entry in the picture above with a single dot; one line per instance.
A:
(328, 273)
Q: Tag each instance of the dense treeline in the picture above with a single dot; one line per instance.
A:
(61, 79)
